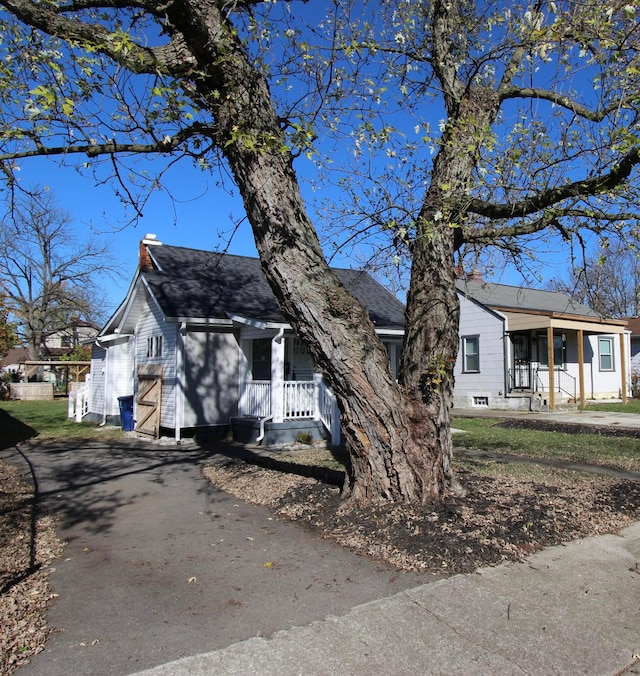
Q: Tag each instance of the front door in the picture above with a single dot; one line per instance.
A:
(521, 369)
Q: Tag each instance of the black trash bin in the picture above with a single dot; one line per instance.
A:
(126, 412)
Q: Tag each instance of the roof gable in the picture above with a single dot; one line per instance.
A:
(194, 284)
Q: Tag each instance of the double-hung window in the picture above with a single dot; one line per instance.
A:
(605, 354)
(471, 354)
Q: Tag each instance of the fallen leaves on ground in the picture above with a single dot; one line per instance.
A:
(28, 544)
(503, 518)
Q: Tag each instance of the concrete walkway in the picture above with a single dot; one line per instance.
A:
(630, 421)
(573, 610)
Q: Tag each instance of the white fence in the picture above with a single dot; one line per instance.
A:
(79, 402)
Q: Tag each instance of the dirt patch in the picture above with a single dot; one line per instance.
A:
(503, 517)
(28, 544)
(569, 428)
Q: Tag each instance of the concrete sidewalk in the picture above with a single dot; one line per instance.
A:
(572, 609)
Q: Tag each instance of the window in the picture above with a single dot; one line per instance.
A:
(154, 346)
(605, 354)
(471, 354)
(261, 359)
(558, 351)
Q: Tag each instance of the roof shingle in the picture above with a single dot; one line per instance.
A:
(190, 283)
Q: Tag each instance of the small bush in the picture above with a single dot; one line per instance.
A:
(305, 438)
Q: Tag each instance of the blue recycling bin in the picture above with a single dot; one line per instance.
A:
(126, 412)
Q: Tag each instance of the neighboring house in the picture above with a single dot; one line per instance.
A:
(201, 343)
(13, 362)
(531, 349)
(66, 339)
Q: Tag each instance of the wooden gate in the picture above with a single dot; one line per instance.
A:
(149, 399)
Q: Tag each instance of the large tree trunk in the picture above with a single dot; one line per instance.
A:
(393, 444)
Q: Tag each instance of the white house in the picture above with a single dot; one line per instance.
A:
(199, 343)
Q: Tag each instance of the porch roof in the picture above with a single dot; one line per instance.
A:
(520, 321)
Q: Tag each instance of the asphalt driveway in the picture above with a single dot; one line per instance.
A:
(160, 565)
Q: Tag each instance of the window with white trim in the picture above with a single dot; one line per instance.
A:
(471, 354)
(605, 354)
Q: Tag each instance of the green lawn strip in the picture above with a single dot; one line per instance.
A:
(23, 420)
(485, 434)
(632, 406)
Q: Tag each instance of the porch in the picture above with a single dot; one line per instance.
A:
(277, 411)
(560, 361)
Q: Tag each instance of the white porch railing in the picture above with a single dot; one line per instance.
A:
(300, 399)
(328, 412)
(79, 402)
(255, 400)
(303, 400)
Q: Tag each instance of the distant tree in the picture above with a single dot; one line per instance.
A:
(49, 278)
(8, 337)
(608, 283)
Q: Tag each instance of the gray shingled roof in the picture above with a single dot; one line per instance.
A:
(520, 299)
(201, 284)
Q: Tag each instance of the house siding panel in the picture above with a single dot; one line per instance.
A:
(98, 376)
(603, 384)
(489, 382)
(211, 363)
(120, 365)
(152, 325)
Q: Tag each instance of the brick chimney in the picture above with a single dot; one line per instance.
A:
(475, 276)
(144, 259)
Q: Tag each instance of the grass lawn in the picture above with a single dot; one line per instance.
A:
(22, 420)
(486, 434)
(632, 406)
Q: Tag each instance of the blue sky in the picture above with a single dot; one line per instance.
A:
(200, 216)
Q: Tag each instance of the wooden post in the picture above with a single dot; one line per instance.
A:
(552, 375)
(581, 367)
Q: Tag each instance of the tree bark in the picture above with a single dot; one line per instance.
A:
(394, 447)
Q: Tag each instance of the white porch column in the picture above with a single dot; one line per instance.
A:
(277, 377)
(317, 393)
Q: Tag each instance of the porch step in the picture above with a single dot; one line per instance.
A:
(540, 402)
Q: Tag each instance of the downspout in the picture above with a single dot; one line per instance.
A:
(263, 422)
(179, 393)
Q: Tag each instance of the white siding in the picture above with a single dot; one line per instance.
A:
(98, 375)
(151, 325)
(489, 382)
(602, 384)
(211, 364)
(120, 373)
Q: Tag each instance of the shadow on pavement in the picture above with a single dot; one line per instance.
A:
(13, 431)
